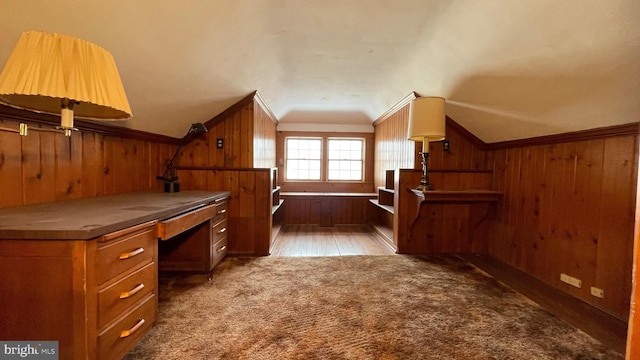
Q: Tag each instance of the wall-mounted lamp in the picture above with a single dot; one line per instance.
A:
(62, 75)
(426, 123)
(170, 177)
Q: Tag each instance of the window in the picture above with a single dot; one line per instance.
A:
(304, 156)
(345, 159)
(307, 159)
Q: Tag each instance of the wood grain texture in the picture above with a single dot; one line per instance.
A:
(326, 210)
(569, 208)
(264, 141)
(250, 204)
(46, 167)
(247, 130)
(466, 153)
(311, 240)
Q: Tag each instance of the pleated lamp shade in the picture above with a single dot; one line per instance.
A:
(46, 70)
(426, 119)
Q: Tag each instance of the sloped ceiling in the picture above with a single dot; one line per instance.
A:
(508, 69)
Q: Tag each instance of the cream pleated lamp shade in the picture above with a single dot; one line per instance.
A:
(426, 119)
(46, 68)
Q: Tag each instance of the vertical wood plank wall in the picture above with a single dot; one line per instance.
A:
(243, 167)
(46, 167)
(249, 216)
(569, 208)
(264, 141)
(392, 149)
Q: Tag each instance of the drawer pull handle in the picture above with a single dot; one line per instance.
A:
(130, 293)
(221, 248)
(222, 211)
(126, 333)
(131, 254)
(222, 230)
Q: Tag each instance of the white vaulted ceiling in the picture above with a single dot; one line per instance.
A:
(509, 69)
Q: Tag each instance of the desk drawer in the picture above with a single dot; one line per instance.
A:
(221, 211)
(118, 339)
(116, 298)
(178, 224)
(219, 231)
(219, 250)
(125, 252)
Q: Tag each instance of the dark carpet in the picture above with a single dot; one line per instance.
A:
(354, 307)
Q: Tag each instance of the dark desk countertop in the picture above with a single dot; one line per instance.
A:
(89, 218)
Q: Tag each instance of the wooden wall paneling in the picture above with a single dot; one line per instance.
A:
(145, 176)
(263, 203)
(264, 143)
(10, 166)
(587, 210)
(566, 231)
(556, 199)
(392, 149)
(129, 159)
(247, 123)
(246, 218)
(109, 168)
(404, 204)
(220, 157)
(614, 260)
(68, 167)
(196, 154)
(92, 165)
(496, 240)
(31, 165)
(47, 166)
(568, 208)
(536, 253)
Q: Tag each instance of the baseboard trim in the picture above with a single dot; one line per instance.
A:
(606, 328)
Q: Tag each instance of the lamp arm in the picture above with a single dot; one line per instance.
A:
(175, 156)
(194, 129)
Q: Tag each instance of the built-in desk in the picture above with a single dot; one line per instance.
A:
(84, 272)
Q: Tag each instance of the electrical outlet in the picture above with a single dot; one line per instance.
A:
(597, 292)
(571, 280)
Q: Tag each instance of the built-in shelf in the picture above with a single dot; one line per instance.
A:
(385, 196)
(458, 195)
(387, 208)
(277, 206)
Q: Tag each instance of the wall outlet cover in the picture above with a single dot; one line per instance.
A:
(571, 280)
(597, 292)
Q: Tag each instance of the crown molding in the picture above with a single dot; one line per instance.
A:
(404, 102)
(582, 135)
(258, 98)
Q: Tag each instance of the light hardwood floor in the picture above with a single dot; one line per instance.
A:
(312, 240)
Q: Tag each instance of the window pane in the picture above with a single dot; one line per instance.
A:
(303, 158)
(345, 159)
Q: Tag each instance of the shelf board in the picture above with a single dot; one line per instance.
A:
(387, 208)
(275, 208)
(382, 188)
